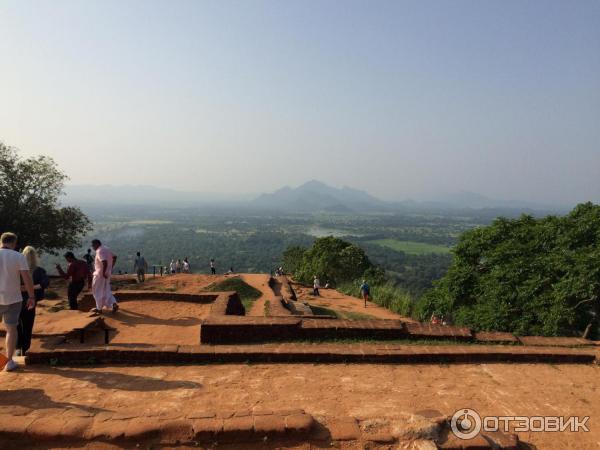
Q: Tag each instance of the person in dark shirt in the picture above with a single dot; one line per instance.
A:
(365, 292)
(78, 272)
(27, 317)
(89, 260)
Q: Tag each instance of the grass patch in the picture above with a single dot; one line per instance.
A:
(411, 247)
(247, 293)
(349, 315)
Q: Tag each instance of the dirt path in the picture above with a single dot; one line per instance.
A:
(364, 391)
(332, 299)
(261, 282)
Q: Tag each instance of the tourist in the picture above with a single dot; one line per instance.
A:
(27, 317)
(140, 266)
(89, 260)
(365, 291)
(186, 265)
(178, 266)
(213, 270)
(316, 286)
(13, 268)
(103, 265)
(78, 272)
(172, 266)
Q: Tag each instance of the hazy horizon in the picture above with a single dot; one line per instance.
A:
(129, 194)
(400, 99)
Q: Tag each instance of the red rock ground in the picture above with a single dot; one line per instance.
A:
(374, 392)
(379, 392)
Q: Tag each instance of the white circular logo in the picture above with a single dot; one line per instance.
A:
(465, 424)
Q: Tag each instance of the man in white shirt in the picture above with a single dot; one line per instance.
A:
(13, 267)
(103, 266)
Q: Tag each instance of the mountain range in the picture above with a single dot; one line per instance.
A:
(312, 196)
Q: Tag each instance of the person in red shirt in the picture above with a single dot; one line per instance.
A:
(77, 271)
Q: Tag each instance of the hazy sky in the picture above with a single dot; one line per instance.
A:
(403, 99)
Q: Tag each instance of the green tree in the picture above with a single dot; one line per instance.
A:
(29, 203)
(527, 275)
(292, 258)
(332, 260)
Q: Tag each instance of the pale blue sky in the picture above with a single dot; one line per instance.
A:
(403, 99)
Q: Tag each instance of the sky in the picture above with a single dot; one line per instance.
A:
(404, 99)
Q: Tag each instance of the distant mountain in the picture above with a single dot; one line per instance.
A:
(473, 200)
(315, 196)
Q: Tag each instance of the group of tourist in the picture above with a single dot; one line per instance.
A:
(23, 283)
(179, 266)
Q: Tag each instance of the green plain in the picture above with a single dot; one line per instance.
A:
(410, 247)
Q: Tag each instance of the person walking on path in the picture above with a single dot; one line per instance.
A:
(186, 265)
(365, 291)
(89, 260)
(140, 266)
(13, 269)
(172, 266)
(213, 270)
(27, 317)
(103, 265)
(316, 286)
(78, 272)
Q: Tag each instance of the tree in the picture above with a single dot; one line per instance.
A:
(292, 258)
(333, 260)
(527, 276)
(29, 203)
